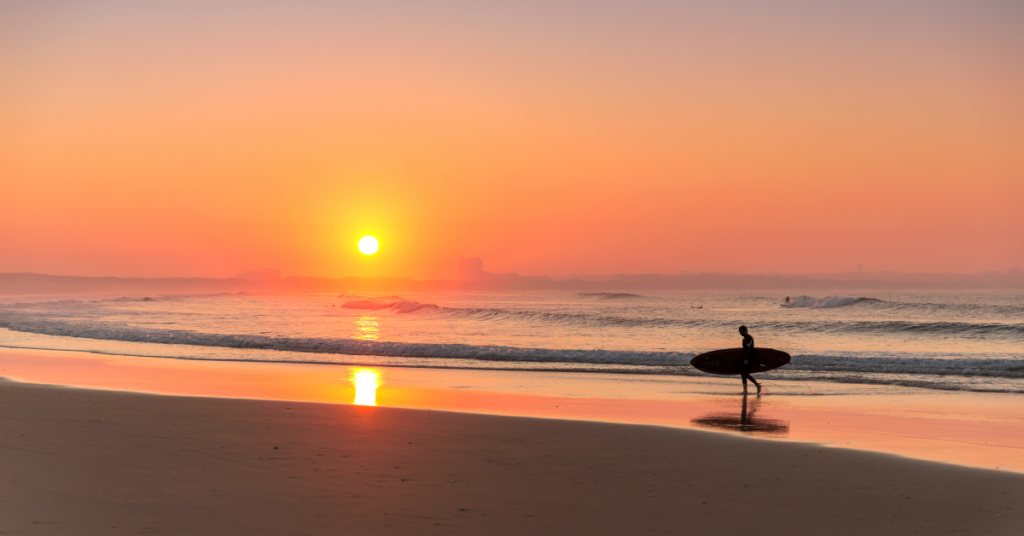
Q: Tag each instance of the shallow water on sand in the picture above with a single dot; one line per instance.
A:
(974, 429)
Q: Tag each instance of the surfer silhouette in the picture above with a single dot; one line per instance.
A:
(749, 359)
(787, 300)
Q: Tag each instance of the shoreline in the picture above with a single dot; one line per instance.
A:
(926, 371)
(654, 371)
(969, 429)
(96, 461)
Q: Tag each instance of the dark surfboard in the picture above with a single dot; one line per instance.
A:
(728, 362)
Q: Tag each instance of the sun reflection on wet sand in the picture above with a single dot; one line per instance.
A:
(366, 382)
(367, 329)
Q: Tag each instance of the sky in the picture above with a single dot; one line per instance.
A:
(183, 138)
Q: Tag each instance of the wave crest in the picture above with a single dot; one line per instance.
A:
(677, 361)
(398, 306)
(810, 302)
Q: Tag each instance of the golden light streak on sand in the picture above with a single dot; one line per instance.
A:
(366, 381)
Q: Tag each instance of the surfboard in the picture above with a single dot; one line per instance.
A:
(729, 362)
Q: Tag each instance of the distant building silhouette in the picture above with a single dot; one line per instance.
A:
(471, 269)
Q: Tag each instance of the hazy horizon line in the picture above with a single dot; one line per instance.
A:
(29, 284)
(581, 276)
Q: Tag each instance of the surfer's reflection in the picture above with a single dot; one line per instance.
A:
(744, 422)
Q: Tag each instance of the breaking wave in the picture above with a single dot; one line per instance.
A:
(353, 346)
(867, 368)
(810, 302)
(580, 319)
(565, 318)
(959, 329)
(400, 305)
(966, 367)
(397, 306)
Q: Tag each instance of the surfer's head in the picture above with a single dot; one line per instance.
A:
(743, 330)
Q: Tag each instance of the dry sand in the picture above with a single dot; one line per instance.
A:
(76, 461)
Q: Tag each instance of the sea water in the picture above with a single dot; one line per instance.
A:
(951, 340)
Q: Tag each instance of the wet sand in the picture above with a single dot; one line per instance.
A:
(984, 430)
(90, 462)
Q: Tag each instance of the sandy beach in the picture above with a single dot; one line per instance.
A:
(91, 461)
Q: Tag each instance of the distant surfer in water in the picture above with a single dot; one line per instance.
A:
(787, 300)
(749, 360)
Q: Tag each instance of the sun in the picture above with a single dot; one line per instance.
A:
(368, 245)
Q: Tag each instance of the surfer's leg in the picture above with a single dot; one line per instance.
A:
(746, 375)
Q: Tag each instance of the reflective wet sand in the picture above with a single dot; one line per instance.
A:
(980, 430)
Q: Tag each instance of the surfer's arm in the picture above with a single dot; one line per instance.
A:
(748, 349)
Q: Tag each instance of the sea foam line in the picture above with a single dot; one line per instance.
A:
(1010, 367)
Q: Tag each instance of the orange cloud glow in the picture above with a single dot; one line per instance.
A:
(190, 139)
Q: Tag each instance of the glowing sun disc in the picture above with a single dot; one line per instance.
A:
(368, 245)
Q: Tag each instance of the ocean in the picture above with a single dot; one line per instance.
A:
(947, 340)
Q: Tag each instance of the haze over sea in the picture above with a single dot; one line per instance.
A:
(945, 340)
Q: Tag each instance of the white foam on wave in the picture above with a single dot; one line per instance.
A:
(397, 306)
(609, 295)
(810, 302)
(919, 366)
(1004, 367)
(353, 346)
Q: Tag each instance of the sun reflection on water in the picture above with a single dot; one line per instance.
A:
(366, 381)
(367, 329)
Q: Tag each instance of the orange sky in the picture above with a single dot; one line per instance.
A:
(191, 139)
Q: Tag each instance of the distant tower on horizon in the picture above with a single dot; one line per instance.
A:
(471, 269)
